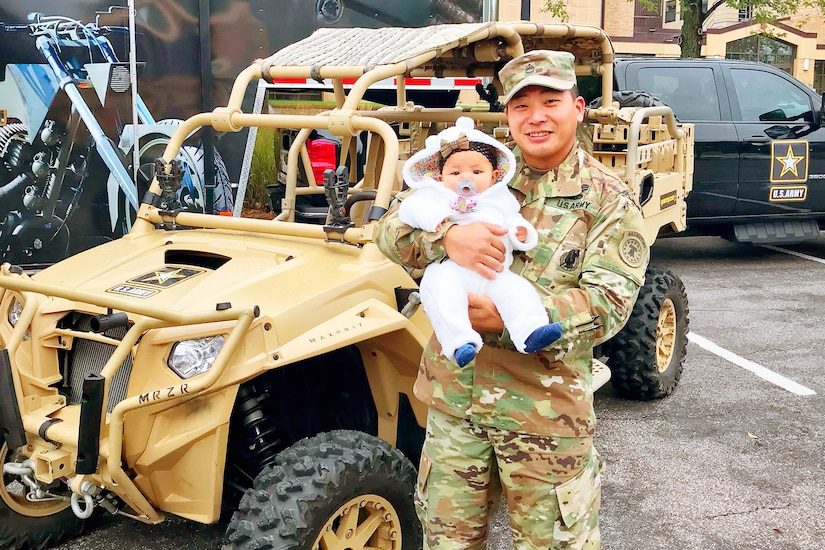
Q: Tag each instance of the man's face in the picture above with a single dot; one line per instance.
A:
(543, 124)
(468, 165)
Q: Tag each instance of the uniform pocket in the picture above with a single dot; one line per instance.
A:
(560, 247)
(424, 467)
(576, 496)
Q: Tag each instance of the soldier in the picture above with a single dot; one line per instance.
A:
(509, 420)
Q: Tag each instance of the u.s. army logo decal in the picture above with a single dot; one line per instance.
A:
(632, 249)
(166, 276)
(789, 161)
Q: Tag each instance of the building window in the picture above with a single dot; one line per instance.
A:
(647, 19)
(746, 13)
(759, 47)
(670, 11)
(819, 76)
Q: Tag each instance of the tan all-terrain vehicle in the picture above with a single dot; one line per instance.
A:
(204, 363)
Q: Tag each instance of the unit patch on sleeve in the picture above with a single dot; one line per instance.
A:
(632, 249)
(789, 161)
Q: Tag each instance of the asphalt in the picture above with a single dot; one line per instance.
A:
(730, 460)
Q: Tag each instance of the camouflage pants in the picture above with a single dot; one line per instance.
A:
(551, 484)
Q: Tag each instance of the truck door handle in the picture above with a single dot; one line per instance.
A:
(757, 140)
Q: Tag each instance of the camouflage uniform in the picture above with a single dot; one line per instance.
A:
(552, 486)
(525, 422)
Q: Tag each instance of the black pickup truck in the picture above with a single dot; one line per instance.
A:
(760, 144)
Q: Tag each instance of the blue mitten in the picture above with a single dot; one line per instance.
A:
(542, 337)
(465, 354)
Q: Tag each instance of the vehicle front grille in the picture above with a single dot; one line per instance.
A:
(89, 356)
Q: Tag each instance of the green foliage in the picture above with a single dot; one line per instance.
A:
(693, 17)
(558, 9)
(762, 11)
(653, 6)
(263, 169)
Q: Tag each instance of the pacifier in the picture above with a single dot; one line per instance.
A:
(464, 201)
(465, 188)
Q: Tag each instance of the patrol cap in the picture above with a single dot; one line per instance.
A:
(547, 68)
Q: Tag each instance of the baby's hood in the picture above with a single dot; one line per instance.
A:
(422, 168)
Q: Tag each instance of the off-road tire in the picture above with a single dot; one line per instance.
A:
(25, 524)
(647, 356)
(223, 199)
(318, 484)
(193, 156)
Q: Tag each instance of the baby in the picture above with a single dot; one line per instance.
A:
(462, 175)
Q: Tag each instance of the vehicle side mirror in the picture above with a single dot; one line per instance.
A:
(776, 114)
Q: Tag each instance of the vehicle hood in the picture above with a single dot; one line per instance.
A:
(195, 270)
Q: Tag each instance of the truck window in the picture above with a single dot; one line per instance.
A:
(689, 91)
(764, 96)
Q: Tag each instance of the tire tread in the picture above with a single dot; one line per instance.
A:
(632, 351)
(310, 480)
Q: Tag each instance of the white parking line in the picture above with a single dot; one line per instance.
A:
(793, 253)
(758, 370)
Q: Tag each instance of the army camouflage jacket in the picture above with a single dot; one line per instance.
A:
(588, 267)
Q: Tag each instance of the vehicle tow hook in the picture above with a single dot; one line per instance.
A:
(87, 490)
(25, 471)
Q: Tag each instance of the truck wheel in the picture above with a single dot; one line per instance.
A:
(25, 524)
(338, 490)
(646, 357)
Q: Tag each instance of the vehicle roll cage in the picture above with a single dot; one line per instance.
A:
(456, 50)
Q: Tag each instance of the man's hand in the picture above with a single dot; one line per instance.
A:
(483, 314)
(476, 246)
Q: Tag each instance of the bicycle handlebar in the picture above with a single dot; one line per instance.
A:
(59, 26)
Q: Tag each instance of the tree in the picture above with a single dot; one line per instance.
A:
(694, 13)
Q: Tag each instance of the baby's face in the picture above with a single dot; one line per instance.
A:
(468, 165)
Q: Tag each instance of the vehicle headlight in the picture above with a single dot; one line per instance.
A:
(15, 311)
(13, 315)
(192, 357)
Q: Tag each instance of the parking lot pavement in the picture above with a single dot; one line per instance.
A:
(731, 460)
